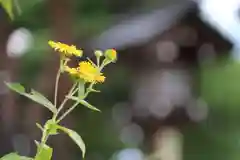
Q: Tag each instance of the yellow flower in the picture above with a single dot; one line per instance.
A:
(74, 51)
(111, 54)
(65, 49)
(72, 71)
(87, 72)
(90, 73)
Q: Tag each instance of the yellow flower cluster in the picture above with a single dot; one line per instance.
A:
(86, 71)
(65, 49)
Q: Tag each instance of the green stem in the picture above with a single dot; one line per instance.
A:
(45, 133)
(88, 90)
(105, 62)
(67, 112)
(76, 104)
(56, 87)
(98, 61)
(70, 93)
(81, 88)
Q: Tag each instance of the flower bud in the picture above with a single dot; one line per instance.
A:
(111, 54)
(98, 53)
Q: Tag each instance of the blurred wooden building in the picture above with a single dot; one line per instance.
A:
(164, 49)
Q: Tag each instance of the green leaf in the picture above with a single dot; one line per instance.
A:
(15, 156)
(86, 104)
(93, 90)
(83, 102)
(25, 158)
(45, 152)
(8, 6)
(33, 95)
(11, 156)
(76, 138)
(40, 127)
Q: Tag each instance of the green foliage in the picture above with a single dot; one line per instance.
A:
(33, 95)
(30, 10)
(222, 139)
(84, 103)
(15, 156)
(220, 84)
(76, 138)
(8, 6)
(44, 152)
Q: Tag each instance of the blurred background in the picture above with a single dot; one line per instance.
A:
(174, 93)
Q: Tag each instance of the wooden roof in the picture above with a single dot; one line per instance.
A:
(139, 30)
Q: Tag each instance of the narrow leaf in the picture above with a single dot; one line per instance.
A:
(33, 95)
(76, 138)
(40, 127)
(90, 89)
(84, 103)
(94, 90)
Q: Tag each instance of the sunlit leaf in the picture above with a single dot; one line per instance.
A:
(8, 6)
(76, 138)
(33, 95)
(11, 156)
(25, 158)
(45, 152)
(15, 156)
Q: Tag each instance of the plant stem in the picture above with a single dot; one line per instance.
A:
(88, 90)
(98, 61)
(70, 93)
(45, 133)
(56, 87)
(76, 104)
(67, 112)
